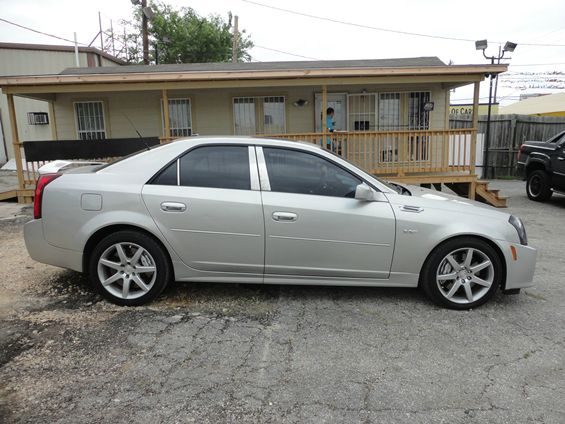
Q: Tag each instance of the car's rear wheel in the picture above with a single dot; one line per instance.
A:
(538, 186)
(129, 268)
(462, 273)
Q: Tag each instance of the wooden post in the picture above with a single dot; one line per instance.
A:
(167, 128)
(324, 114)
(16, 143)
(473, 152)
(53, 120)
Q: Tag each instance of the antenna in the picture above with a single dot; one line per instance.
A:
(138, 133)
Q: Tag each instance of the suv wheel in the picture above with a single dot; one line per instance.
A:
(538, 186)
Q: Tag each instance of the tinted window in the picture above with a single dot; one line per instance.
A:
(216, 166)
(167, 176)
(291, 171)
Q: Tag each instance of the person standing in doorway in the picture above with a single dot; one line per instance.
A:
(330, 123)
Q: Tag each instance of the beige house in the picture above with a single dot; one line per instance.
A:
(391, 116)
(33, 116)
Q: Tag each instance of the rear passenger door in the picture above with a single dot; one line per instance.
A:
(208, 206)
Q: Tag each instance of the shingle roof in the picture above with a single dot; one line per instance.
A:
(260, 66)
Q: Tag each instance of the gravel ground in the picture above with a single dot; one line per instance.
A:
(208, 353)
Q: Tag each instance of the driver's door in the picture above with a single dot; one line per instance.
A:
(313, 224)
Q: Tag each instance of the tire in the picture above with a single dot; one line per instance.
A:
(129, 268)
(465, 284)
(538, 186)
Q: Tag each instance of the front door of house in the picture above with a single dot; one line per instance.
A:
(337, 101)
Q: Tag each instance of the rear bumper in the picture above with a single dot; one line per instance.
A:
(519, 272)
(43, 252)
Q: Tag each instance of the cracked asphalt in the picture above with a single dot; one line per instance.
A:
(210, 353)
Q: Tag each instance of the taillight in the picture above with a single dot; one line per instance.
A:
(520, 150)
(39, 187)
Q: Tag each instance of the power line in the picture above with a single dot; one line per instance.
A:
(39, 32)
(281, 51)
(415, 34)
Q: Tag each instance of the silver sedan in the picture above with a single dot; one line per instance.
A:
(247, 210)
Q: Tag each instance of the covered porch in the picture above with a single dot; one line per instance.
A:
(384, 128)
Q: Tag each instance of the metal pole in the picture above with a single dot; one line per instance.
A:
(77, 61)
(101, 33)
(487, 135)
(234, 40)
(112, 35)
(144, 33)
(496, 78)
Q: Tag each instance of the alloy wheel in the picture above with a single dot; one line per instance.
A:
(465, 275)
(127, 270)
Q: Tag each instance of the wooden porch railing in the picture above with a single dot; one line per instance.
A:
(399, 152)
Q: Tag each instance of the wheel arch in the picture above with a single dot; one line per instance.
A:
(490, 242)
(536, 165)
(101, 233)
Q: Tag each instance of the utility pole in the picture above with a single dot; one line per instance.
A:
(235, 40)
(144, 33)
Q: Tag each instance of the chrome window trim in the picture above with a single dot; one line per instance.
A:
(178, 172)
(253, 169)
(262, 166)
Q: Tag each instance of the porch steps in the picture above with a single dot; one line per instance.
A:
(482, 193)
(491, 196)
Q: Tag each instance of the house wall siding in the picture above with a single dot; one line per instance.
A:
(212, 110)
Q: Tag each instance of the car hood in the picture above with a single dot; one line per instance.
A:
(427, 198)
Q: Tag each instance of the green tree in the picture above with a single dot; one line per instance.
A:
(181, 36)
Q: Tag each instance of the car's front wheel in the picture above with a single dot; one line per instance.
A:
(129, 268)
(538, 186)
(462, 273)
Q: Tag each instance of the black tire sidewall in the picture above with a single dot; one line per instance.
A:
(429, 284)
(545, 189)
(148, 243)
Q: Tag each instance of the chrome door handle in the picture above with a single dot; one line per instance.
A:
(408, 208)
(285, 216)
(173, 207)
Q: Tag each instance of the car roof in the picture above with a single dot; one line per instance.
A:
(258, 141)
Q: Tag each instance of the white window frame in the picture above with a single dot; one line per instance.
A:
(255, 101)
(190, 128)
(103, 122)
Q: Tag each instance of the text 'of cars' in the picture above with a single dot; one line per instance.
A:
(250, 210)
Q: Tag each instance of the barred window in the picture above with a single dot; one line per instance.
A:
(180, 117)
(90, 120)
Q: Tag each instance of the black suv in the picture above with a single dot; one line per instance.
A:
(542, 164)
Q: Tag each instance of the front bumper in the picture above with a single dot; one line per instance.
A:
(519, 271)
(43, 252)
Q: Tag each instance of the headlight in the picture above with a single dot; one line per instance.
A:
(519, 225)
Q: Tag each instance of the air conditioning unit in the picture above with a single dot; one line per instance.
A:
(37, 118)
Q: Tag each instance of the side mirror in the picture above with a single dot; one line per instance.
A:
(366, 194)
